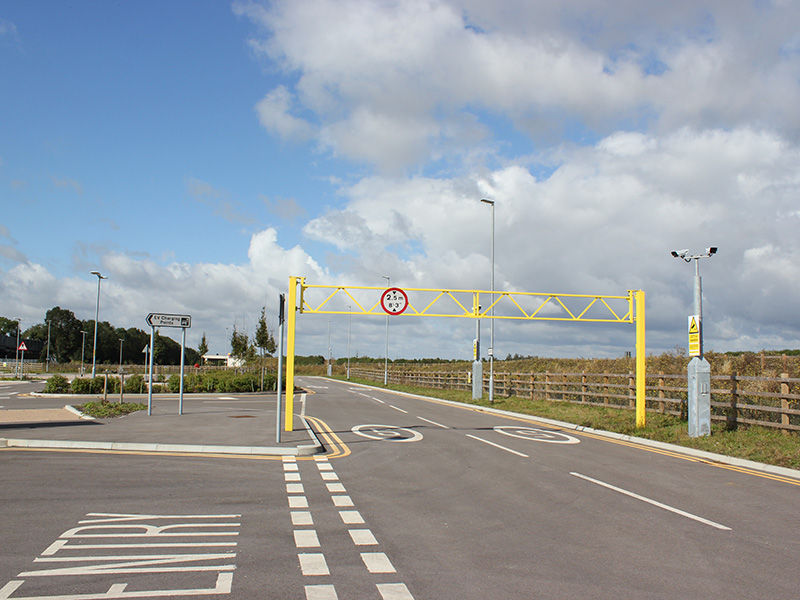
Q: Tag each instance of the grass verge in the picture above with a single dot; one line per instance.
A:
(760, 444)
(105, 410)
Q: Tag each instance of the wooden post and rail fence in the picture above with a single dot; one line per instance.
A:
(735, 399)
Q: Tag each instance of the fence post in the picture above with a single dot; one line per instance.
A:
(509, 385)
(785, 401)
(661, 392)
(731, 423)
(605, 389)
(583, 386)
(547, 385)
(533, 387)
(631, 390)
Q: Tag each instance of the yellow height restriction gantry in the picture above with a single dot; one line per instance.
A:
(465, 304)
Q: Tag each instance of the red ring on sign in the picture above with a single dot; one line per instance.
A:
(383, 298)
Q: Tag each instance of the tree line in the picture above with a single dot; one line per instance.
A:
(68, 341)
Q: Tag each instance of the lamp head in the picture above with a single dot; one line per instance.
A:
(486, 201)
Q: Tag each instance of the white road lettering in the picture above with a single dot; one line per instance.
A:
(68, 558)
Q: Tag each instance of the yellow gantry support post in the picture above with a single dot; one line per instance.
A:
(640, 360)
(291, 318)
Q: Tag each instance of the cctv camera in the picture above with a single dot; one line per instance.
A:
(711, 250)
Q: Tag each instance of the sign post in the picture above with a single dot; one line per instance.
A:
(281, 318)
(22, 348)
(167, 320)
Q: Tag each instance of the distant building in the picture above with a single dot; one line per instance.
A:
(222, 360)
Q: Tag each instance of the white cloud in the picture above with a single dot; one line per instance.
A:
(603, 222)
(274, 114)
(390, 82)
(216, 295)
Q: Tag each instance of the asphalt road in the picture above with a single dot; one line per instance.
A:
(418, 500)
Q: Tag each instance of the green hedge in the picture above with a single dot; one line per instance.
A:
(215, 381)
(57, 384)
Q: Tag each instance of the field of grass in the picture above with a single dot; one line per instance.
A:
(760, 444)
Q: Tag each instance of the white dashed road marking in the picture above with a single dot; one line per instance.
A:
(306, 538)
(433, 422)
(677, 511)
(394, 591)
(351, 517)
(313, 564)
(377, 562)
(474, 437)
(363, 537)
(321, 592)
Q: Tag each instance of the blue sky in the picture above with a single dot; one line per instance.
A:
(200, 152)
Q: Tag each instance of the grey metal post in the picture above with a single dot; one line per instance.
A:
(698, 300)
(150, 386)
(698, 371)
(83, 347)
(47, 364)
(16, 356)
(120, 354)
(330, 357)
(96, 316)
(477, 365)
(180, 385)
(281, 302)
(491, 346)
(386, 359)
(349, 327)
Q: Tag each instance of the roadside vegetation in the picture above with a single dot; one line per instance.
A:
(213, 381)
(759, 444)
(105, 410)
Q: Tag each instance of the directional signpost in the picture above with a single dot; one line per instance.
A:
(167, 320)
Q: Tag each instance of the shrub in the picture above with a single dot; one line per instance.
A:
(57, 384)
(134, 384)
(82, 385)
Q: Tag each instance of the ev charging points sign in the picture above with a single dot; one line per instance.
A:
(168, 320)
(394, 301)
(694, 335)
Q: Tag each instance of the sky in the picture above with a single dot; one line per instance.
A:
(199, 152)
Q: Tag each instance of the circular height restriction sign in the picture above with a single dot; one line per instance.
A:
(394, 301)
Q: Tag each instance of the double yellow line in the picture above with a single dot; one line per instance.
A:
(337, 448)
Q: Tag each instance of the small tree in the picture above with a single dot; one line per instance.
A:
(240, 345)
(264, 339)
(202, 349)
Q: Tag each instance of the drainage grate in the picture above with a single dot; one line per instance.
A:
(241, 416)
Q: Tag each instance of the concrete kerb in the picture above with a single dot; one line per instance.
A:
(316, 447)
(709, 456)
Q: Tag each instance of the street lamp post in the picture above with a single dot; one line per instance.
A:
(386, 359)
(16, 356)
(349, 327)
(330, 351)
(491, 343)
(83, 346)
(96, 316)
(47, 364)
(698, 369)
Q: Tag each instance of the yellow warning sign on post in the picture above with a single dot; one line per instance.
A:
(694, 335)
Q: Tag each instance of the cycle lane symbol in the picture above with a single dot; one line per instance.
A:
(387, 433)
(537, 435)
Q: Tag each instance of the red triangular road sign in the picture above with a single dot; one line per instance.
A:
(22, 347)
